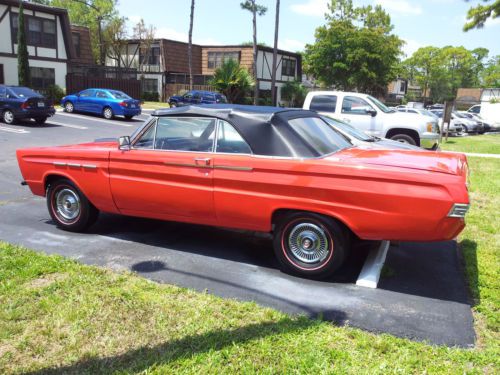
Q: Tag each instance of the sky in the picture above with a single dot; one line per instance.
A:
(418, 23)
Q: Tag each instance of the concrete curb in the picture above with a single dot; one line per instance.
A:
(370, 273)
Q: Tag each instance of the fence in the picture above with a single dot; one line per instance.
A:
(76, 83)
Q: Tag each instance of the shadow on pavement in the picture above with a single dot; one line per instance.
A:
(140, 359)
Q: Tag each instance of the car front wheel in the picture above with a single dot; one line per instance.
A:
(172, 104)
(310, 245)
(69, 207)
(68, 107)
(107, 113)
(8, 117)
(404, 138)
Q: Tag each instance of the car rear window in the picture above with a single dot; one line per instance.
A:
(318, 136)
(119, 95)
(24, 92)
(323, 103)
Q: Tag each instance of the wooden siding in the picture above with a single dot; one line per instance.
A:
(86, 56)
(76, 83)
(246, 57)
(175, 57)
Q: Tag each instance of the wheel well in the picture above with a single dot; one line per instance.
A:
(50, 179)
(409, 132)
(281, 212)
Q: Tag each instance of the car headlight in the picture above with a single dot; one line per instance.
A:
(432, 127)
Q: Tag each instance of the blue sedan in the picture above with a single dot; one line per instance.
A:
(108, 103)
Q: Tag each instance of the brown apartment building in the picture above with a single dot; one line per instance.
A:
(166, 69)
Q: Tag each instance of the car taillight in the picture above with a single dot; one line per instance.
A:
(122, 104)
(25, 105)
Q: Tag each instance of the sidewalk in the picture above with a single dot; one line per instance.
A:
(496, 156)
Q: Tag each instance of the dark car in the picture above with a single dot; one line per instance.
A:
(105, 102)
(196, 97)
(17, 102)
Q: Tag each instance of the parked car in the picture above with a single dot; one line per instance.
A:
(436, 106)
(486, 126)
(358, 138)
(455, 126)
(105, 102)
(489, 112)
(265, 169)
(196, 97)
(469, 125)
(369, 115)
(17, 103)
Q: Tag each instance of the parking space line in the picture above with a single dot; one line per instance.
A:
(66, 125)
(11, 130)
(89, 118)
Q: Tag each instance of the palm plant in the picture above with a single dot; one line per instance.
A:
(233, 80)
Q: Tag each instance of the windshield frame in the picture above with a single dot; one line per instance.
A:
(379, 104)
(347, 128)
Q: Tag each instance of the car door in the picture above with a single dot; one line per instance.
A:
(99, 101)
(355, 111)
(236, 201)
(82, 102)
(168, 171)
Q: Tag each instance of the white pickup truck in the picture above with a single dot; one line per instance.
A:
(368, 114)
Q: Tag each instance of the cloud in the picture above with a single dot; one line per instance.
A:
(291, 45)
(402, 7)
(134, 19)
(411, 46)
(315, 8)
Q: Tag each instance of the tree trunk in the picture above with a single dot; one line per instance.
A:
(275, 54)
(190, 46)
(256, 89)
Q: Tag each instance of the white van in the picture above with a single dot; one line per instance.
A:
(489, 112)
(368, 114)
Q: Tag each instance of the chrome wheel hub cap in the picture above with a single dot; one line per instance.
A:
(107, 113)
(68, 204)
(69, 107)
(308, 243)
(8, 117)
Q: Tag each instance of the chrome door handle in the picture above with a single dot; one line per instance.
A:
(202, 161)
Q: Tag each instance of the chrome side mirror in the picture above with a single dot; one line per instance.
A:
(124, 143)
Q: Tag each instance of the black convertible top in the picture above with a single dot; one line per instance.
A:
(265, 129)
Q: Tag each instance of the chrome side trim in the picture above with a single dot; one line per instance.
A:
(74, 165)
(233, 168)
(59, 164)
(459, 210)
(192, 165)
(89, 166)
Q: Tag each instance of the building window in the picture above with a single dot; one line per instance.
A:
(216, 59)
(76, 43)
(288, 67)
(42, 78)
(40, 32)
(152, 59)
(150, 85)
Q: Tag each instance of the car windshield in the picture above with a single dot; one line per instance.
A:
(24, 92)
(380, 105)
(439, 114)
(318, 135)
(119, 95)
(348, 129)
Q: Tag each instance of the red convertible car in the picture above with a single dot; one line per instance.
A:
(256, 168)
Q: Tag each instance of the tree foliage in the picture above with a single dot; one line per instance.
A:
(23, 66)
(355, 49)
(478, 15)
(233, 80)
(294, 93)
(441, 71)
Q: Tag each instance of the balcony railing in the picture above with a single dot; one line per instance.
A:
(150, 68)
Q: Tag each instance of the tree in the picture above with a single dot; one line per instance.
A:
(232, 80)
(355, 49)
(23, 66)
(294, 93)
(92, 14)
(260, 10)
(190, 46)
(115, 37)
(490, 76)
(275, 53)
(145, 36)
(478, 15)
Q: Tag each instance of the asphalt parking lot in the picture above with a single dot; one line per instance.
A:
(421, 295)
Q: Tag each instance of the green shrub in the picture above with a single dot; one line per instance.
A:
(150, 96)
(54, 93)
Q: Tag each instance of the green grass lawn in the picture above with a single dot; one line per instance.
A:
(481, 144)
(154, 105)
(58, 316)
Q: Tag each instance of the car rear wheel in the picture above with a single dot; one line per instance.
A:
(107, 112)
(465, 129)
(310, 245)
(404, 138)
(41, 120)
(8, 117)
(172, 104)
(69, 207)
(68, 107)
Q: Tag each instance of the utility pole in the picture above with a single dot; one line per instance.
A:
(275, 54)
(190, 46)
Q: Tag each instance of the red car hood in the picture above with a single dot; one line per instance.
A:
(435, 161)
